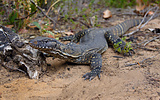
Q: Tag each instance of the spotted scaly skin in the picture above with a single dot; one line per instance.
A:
(92, 43)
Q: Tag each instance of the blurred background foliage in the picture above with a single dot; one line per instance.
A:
(20, 13)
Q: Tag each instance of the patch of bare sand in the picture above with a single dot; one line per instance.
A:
(64, 81)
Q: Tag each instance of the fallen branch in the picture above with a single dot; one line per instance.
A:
(146, 16)
(52, 6)
(141, 61)
(140, 25)
(16, 48)
(26, 16)
(88, 26)
(147, 49)
(145, 43)
(151, 40)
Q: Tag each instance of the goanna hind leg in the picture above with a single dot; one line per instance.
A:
(75, 38)
(96, 64)
(118, 44)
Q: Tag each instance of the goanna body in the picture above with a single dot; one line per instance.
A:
(92, 43)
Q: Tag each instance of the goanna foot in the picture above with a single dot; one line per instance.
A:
(91, 75)
(123, 48)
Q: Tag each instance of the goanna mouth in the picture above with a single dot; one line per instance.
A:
(41, 47)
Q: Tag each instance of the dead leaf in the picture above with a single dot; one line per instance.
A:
(50, 36)
(23, 31)
(31, 26)
(140, 5)
(150, 13)
(49, 28)
(68, 33)
(9, 26)
(107, 14)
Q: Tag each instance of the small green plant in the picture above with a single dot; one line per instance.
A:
(76, 9)
(44, 29)
(84, 17)
(71, 20)
(122, 48)
(83, 27)
(83, 10)
(117, 3)
(124, 38)
(18, 12)
(116, 46)
(66, 17)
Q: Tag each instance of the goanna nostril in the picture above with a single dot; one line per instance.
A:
(55, 45)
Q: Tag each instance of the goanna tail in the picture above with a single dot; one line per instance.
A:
(121, 28)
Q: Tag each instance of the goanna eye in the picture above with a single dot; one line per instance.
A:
(45, 41)
(35, 42)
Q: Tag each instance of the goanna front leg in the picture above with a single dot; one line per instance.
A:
(75, 38)
(119, 45)
(96, 64)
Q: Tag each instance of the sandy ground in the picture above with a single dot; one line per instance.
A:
(63, 81)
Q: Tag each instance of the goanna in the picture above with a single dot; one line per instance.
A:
(92, 43)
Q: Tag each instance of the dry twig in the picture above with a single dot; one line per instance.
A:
(140, 25)
(151, 40)
(147, 49)
(141, 61)
(43, 12)
(52, 6)
(26, 16)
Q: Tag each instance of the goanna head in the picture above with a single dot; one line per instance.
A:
(55, 48)
(45, 43)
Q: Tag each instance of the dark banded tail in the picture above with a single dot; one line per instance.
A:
(121, 28)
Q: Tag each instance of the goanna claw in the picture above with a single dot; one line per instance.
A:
(91, 75)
